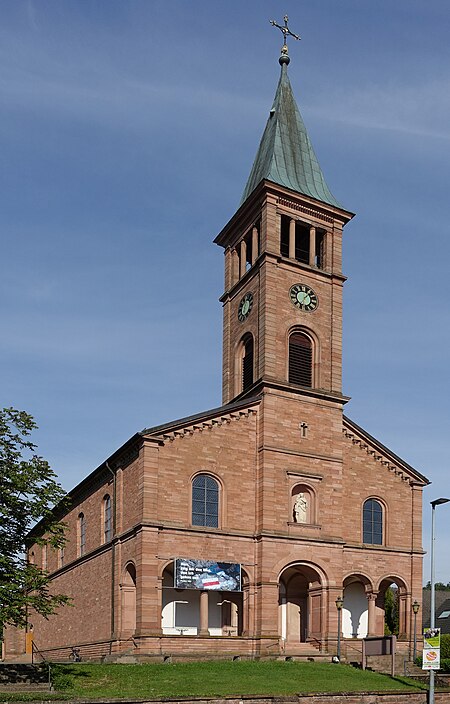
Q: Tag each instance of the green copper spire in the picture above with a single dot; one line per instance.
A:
(285, 155)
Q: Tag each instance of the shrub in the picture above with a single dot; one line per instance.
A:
(445, 646)
(445, 664)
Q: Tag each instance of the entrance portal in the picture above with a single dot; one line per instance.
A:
(300, 604)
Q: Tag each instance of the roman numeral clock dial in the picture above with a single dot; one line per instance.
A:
(303, 297)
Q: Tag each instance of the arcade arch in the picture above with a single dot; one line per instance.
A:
(355, 612)
(300, 604)
(209, 612)
(398, 603)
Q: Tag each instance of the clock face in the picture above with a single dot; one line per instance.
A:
(245, 307)
(303, 297)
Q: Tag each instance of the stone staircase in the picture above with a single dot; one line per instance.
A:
(303, 651)
(24, 677)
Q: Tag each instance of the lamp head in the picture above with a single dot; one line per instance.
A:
(415, 606)
(438, 502)
(339, 603)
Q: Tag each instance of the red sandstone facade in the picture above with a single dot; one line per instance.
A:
(271, 440)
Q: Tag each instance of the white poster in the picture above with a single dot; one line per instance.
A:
(431, 659)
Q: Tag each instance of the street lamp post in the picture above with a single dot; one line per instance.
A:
(415, 608)
(436, 502)
(339, 604)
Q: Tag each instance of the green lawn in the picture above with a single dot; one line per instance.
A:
(211, 679)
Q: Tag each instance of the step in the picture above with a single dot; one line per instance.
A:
(24, 687)
(18, 673)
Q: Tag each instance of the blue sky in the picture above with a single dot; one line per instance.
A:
(128, 131)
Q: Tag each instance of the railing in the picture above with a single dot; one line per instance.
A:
(44, 661)
(35, 650)
(278, 643)
(313, 640)
(348, 646)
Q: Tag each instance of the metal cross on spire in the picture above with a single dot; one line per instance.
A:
(284, 58)
(285, 30)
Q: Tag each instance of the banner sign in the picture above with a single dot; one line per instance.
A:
(207, 574)
(431, 654)
(431, 659)
(432, 638)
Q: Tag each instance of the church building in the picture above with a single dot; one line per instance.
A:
(236, 531)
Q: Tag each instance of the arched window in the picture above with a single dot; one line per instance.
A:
(205, 501)
(300, 359)
(372, 522)
(81, 534)
(247, 363)
(107, 519)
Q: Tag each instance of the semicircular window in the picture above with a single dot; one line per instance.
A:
(205, 501)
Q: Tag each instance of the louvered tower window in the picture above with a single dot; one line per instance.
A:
(205, 501)
(300, 359)
(247, 363)
(372, 522)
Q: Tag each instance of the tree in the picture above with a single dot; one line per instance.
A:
(391, 611)
(28, 493)
(439, 586)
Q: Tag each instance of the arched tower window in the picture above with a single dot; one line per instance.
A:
(107, 519)
(81, 534)
(247, 362)
(372, 522)
(205, 501)
(300, 359)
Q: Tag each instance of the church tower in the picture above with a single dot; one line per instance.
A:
(282, 305)
(283, 274)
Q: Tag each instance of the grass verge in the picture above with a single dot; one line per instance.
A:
(210, 679)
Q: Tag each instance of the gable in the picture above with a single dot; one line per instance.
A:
(386, 459)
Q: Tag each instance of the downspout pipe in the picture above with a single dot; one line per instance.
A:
(113, 557)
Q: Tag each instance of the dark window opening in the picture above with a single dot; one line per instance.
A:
(372, 522)
(284, 236)
(320, 250)
(82, 523)
(300, 359)
(247, 364)
(205, 501)
(301, 243)
(302, 240)
(249, 248)
(250, 255)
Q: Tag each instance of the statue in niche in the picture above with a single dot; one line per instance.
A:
(300, 508)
